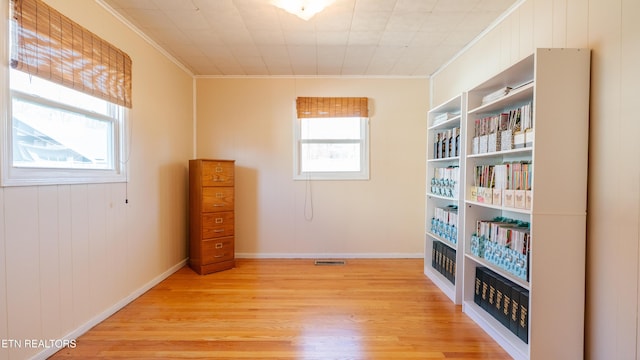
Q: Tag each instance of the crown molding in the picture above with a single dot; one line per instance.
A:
(144, 36)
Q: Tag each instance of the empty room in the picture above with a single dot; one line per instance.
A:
(357, 179)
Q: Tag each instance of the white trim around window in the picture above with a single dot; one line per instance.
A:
(13, 174)
(362, 149)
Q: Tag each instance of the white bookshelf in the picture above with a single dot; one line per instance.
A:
(556, 82)
(455, 107)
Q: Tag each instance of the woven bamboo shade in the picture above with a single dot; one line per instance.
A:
(320, 107)
(49, 45)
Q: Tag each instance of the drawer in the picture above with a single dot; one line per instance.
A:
(217, 173)
(216, 225)
(217, 250)
(216, 199)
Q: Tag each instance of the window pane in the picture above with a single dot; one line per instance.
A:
(330, 128)
(34, 85)
(330, 157)
(53, 138)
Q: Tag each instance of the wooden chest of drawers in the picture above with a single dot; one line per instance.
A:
(211, 215)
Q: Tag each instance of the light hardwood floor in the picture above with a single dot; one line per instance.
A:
(291, 309)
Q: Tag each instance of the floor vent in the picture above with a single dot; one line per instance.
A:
(330, 262)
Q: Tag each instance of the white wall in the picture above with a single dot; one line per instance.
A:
(69, 253)
(250, 120)
(610, 28)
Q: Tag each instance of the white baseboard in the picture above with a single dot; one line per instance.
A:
(329, 255)
(112, 310)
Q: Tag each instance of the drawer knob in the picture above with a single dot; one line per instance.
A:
(218, 231)
(219, 220)
(219, 246)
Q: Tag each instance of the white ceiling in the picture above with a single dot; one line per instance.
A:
(349, 38)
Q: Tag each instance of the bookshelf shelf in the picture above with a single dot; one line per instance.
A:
(446, 124)
(438, 204)
(443, 240)
(481, 262)
(513, 98)
(498, 207)
(455, 159)
(556, 84)
(441, 197)
(499, 154)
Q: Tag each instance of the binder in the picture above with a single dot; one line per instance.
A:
(433, 254)
(497, 308)
(492, 295)
(446, 265)
(523, 323)
(477, 298)
(451, 258)
(506, 303)
(438, 256)
(514, 319)
(484, 291)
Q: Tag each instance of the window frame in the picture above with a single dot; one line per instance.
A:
(363, 174)
(13, 176)
(29, 176)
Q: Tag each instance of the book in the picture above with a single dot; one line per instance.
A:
(495, 95)
(440, 118)
(457, 141)
(445, 145)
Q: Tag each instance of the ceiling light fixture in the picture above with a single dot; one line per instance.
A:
(304, 9)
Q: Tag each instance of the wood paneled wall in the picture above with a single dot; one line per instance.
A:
(72, 254)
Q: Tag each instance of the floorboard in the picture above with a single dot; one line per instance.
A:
(291, 309)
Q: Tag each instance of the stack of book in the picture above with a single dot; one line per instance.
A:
(442, 117)
(504, 243)
(445, 181)
(517, 181)
(505, 301)
(443, 260)
(446, 143)
(519, 131)
(508, 130)
(487, 133)
(445, 223)
(506, 184)
(495, 95)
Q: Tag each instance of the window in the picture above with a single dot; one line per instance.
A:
(329, 144)
(67, 95)
(59, 135)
